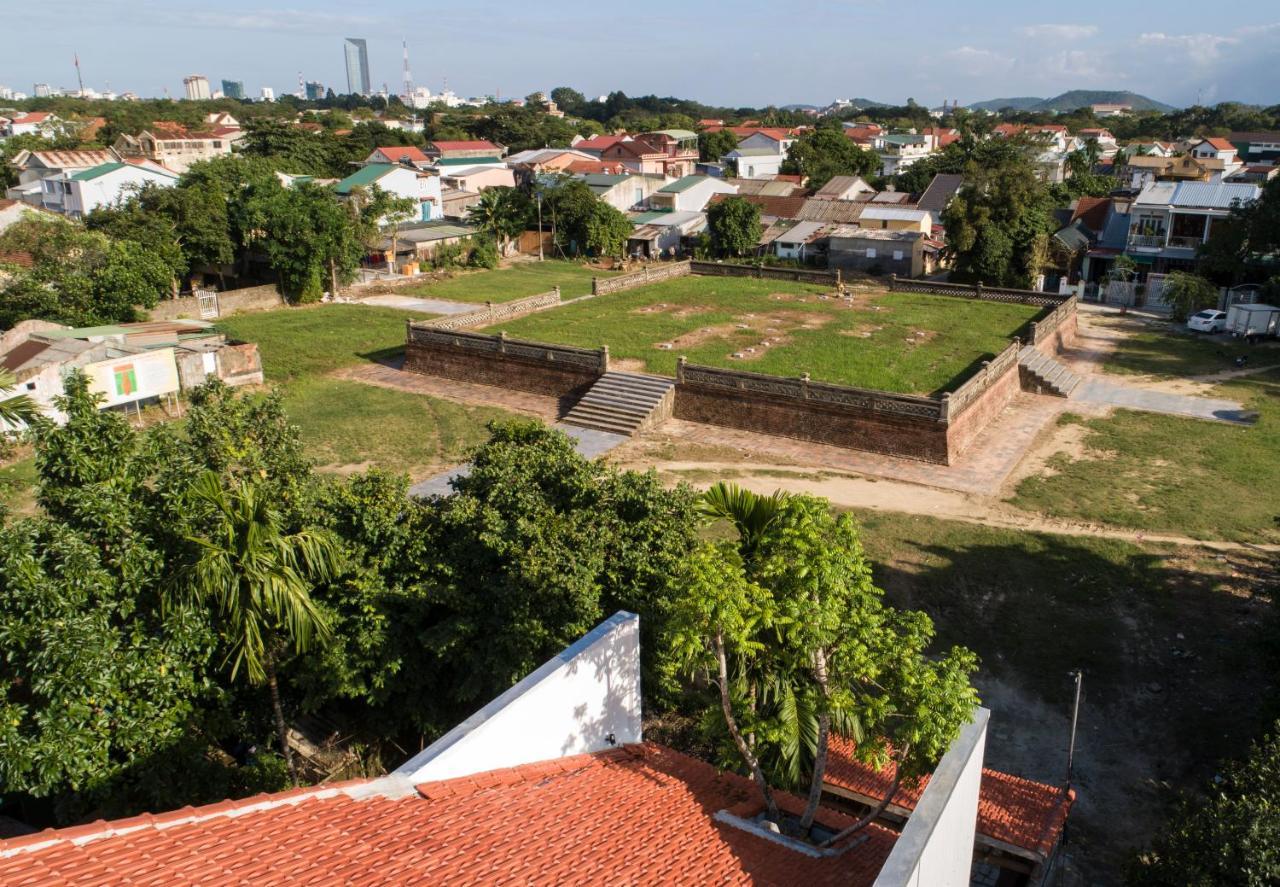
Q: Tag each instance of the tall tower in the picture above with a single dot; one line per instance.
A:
(197, 87)
(357, 53)
(408, 78)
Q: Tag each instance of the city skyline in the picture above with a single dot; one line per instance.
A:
(1034, 50)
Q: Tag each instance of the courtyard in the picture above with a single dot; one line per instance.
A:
(907, 343)
(518, 280)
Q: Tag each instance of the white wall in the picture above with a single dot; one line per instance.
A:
(935, 848)
(88, 195)
(568, 706)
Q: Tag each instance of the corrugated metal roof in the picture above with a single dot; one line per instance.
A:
(365, 175)
(940, 190)
(682, 184)
(801, 233)
(893, 214)
(1214, 196)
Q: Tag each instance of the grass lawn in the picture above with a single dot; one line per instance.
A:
(515, 282)
(904, 342)
(347, 425)
(1169, 350)
(17, 485)
(1208, 480)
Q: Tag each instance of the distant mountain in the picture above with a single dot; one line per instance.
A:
(868, 103)
(799, 107)
(1074, 99)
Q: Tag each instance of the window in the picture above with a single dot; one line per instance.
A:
(897, 255)
(871, 252)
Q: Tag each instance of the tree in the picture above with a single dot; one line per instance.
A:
(734, 225)
(826, 152)
(569, 100)
(998, 226)
(258, 580)
(309, 238)
(1231, 835)
(1243, 247)
(502, 213)
(714, 145)
(16, 410)
(1188, 293)
(295, 149)
(800, 644)
(607, 231)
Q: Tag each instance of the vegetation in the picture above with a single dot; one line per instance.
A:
(861, 345)
(1245, 246)
(1188, 293)
(826, 152)
(734, 225)
(516, 281)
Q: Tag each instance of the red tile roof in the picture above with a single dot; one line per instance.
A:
(637, 815)
(598, 143)
(398, 153)
(1093, 211)
(32, 117)
(1012, 810)
(595, 166)
(1221, 144)
(474, 145)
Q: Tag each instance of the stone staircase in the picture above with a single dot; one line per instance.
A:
(624, 403)
(1044, 375)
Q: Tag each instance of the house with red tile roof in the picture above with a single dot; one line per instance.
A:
(407, 155)
(176, 146)
(551, 783)
(471, 151)
(597, 145)
(30, 123)
(1215, 149)
(35, 166)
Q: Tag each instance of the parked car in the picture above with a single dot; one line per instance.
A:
(1207, 321)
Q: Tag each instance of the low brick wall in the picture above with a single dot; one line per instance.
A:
(976, 291)
(491, 313)
(765, 272)
(240, 301)
(601, 286)
(999, 386)
(1058, 331)
(862, 419)
(553, 370)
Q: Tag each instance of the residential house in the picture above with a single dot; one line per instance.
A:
(679, 148)
(1136, 172)
(1215, 149)
(596, 145)
(845, 188)
(31, 123)
(661, 233)
(898, 152)
(1105, 110)
(801, 241)
(553, 782)
(174, 146)
(622, 192)
(940, 136)
(539, 160)
(1105, 140)
(221, 120)
(689, 194)
(774, 187)
(1151, 149)
(457, 204)
(895, 218)
(33, 166)
(474, 152)
(405, 155)
(863, 134)
(753, 163)
(939, 193)
(1170, 220)
(1257, 148)
(418, 241)
(477, 178)
(80, 193)
(421, 187)
(904, 253)
(1254, 173)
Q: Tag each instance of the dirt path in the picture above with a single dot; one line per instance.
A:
(852, 491)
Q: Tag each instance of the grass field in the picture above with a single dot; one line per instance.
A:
(1170, 351)
(346, 425)
(514, 282)
(904, 342)
(1207, 480)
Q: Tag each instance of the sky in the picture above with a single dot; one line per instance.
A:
(744, 53)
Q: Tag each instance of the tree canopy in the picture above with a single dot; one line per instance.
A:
(734, 225)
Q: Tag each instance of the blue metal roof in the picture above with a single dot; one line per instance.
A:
(1213, 195)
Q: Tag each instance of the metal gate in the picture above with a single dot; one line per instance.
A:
(208, 304)
(1119, 292)
(1154, 296)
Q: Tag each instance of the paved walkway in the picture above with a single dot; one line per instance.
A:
(586, 441)
(1096, 391)
(426, 306)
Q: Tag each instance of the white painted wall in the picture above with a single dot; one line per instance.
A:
(568, 706)
(935, 848)
(105, 190)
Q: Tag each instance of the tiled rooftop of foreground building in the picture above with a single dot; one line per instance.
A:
(638, 814)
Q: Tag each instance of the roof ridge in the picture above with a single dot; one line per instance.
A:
(458, 786)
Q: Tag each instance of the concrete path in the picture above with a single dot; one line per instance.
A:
(1131, 397)
(587, 442)
(426, 306)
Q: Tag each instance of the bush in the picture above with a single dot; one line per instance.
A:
(484, 254)
(448, 255)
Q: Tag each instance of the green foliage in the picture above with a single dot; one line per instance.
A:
(1245, 246)
(295, 150)
(734, 225)
(502, 213)
(308, 236)
(607, 231)
(1229, 836)
(1188, 293)
(714, 145)
(827, 152)
(998, 226)
(484, 254)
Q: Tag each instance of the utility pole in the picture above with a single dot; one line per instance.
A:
(408, 78)
(539, 193)
(1075, 717)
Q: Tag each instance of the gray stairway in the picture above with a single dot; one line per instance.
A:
(1045, 375)
(624, 403)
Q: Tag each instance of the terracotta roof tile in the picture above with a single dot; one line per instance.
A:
(641, 814)
(1012, 810)
(1221, 144)
(472, 145)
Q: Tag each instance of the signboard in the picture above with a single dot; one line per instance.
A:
(135, 377)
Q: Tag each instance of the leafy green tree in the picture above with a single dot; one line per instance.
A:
(309, 238)
(734, 225)
(714, 145)
(15, 409)
(569, 100)
(998, 226)
(800, 644)
(1188, 293)
(1231, 835)
(294, 149)
(826, 152)
(502, 213)
(607, 231)
(1242, 248)
(258, 580)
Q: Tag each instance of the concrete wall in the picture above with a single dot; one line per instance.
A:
(238, 301)
(935, 848)
(584, 699)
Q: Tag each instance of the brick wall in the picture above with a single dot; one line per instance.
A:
(491, 314)
(764, 272)
(239, 301)
(1059, 331)
(648, 274)
(552, 370)
(983, 409)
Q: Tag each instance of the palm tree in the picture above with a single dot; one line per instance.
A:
(259, 581)
(16, 410)
(497, 214)
(750, 513)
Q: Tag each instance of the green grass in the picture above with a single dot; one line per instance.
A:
(349, 425)
(17, 485)
(516, 282)
(1170, 351)
(297, 342)
(872, 345)
(1207, 480)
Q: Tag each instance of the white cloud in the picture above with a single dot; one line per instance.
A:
(974, 61)
(1199, 49)
(1060, 32)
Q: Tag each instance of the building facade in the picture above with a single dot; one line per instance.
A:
(356, 51)
(197, 87)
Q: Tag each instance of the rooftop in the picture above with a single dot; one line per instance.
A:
(1197, 195)
(365, 175)
(97, 172)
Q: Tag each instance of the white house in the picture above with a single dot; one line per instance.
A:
(690, 193)
(82, 192)
(33, 166)
(901, 150)
(403, 181)
(31, 123)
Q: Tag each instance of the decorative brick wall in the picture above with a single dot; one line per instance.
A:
(491, 313)
(1058, 331)
(862, 419)
(976, 291)
(765, 272)
(601, 286)
(997, 389)
(240, 301)
(554, 370)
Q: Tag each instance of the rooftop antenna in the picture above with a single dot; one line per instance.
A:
(79, 79)
(408, 78)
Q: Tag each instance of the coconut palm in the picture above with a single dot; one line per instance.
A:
(16, 410)
(258, 581)
(750, 513)
(499, 215)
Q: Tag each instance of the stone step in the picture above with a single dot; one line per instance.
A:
(644, 405)
(587, 418)
(620, 402)
(622, 411)
(654, 392)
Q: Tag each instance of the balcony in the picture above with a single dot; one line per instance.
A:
(1146, 241)
(1177, 242)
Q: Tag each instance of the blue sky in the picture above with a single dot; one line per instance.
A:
(748, 52)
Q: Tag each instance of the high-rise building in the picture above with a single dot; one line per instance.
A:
(268, 94)
(43, 90)
(197, 86)
(357, 52)
(233, 89)
(314, 90)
